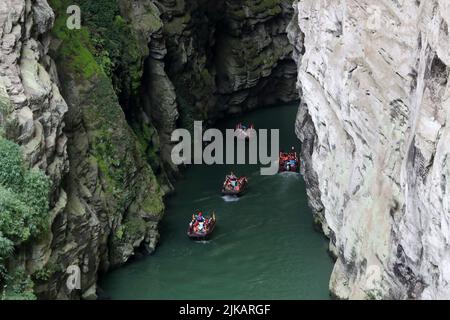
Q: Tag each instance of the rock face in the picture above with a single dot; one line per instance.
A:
(28, 86)
(114, 200)
(105, 201)
(32, 108)
(376, 104)
(226, 57)
(253, 56)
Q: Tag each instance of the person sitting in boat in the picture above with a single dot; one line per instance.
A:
(200, 227)
(230, 180)
(199, 223)
(200, 217)
(197, 219)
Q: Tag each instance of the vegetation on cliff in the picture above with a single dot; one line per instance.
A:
(24, 205)
(106, 54)
(97, 82)
(106, 43)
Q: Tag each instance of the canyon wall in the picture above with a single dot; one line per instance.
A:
(104, 200)
(94, 109)
(32, 109)
(374, 126)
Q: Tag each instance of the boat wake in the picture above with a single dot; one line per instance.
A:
(202, 241)
(230, 198)
(203, 199)
(290, 175)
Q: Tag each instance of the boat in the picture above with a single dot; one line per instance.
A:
(244, 132)
(201, 228)
(234, 186)
(289, 162)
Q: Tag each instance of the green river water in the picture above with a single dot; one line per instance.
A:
(264, 245)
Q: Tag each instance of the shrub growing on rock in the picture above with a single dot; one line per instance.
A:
(24, 203)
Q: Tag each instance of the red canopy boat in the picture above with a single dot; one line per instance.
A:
(234, 186)
(289, 162)
(201, 227)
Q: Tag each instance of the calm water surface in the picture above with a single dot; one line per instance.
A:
(264, 246)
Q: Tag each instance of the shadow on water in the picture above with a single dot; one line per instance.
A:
(264, 246)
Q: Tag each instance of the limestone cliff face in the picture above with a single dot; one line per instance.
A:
(32, 108)
(105, 201)
(374, 122)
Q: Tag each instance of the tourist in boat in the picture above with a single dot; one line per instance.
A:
(231, 180)
(201, 226)
(289, 161)
(197, 220)
(199, 223)
(200, 217)
(234, 185)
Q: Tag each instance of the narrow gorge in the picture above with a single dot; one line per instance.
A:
(94, 109)
(86, 117)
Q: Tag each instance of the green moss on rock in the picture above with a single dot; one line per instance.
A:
(106, 44)
(119, 183)
(116, 148)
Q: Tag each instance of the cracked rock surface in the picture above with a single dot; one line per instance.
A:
(374, 126)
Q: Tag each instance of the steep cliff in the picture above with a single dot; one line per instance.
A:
(374, 80)
(32, 111)
(231, 54)
(105, 201)
(94, 109)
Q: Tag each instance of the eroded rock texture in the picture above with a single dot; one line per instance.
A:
(374, 122)
(32, 108)
(105, 200)
(253, 56)
(226, 57)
